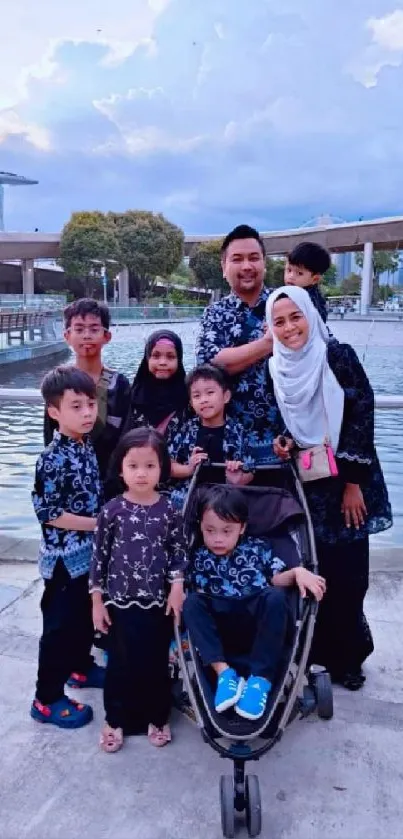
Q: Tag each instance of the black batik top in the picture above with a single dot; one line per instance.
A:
(356, 456)
(138, 550)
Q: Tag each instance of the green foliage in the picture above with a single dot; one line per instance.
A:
(330, 290)
(381, 261)
(205, 263)
(149, 245)
(330, 276)
(88, 236)
(274, 272)
(351, 284)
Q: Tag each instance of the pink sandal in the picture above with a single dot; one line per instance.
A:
(159, 736)
(111, 739)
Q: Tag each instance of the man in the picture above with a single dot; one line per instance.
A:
(234, 337)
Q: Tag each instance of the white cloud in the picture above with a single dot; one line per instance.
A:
(385, 50)
(12, 124)
(221, 115)
(32, 32)
(387, 31)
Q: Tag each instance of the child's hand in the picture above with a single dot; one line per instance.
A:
(176, 598)
(353, 506)
(100, 617)
(197, 456)
(282, 447)
(306, 581)
(235, 475)
(233, 465)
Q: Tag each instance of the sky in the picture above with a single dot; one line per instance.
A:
(213, 112)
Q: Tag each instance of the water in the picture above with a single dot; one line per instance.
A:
(21, 424)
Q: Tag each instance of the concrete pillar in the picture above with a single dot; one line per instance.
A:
(366, 281)
(123, 281)
(27, 276)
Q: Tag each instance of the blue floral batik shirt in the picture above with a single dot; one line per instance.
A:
(66, 481)
(235, 446)
(231, 323)
(247, 570)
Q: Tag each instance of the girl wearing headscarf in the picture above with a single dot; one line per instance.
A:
(323, 394)
(158, 395)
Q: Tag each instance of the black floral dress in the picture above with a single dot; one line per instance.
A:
(342, 638)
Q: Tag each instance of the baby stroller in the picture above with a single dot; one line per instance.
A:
(277, 510)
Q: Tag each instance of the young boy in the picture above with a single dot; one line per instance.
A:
(237, 602)
(87, 331)
(209, 435)
(67, 498)
(305, 267)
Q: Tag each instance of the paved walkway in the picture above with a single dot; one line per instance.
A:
(338, 780)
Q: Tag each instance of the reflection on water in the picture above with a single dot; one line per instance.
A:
(21, 424)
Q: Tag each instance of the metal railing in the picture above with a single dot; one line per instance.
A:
(383, 401)
(164, 312)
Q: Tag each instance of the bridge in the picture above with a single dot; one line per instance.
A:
(383, 234)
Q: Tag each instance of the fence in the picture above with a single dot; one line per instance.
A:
(159, 312)
(22, 302)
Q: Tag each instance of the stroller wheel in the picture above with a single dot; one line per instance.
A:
(253, 805)
(227, 802)
(322, 685)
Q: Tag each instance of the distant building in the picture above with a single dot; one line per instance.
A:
(8, 179)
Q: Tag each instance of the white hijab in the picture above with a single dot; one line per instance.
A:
(308, 394)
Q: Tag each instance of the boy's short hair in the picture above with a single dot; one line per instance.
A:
(310, 256)
(228, 503)
(242, 231)
(87, 306)
(65, 377)
(208, 372)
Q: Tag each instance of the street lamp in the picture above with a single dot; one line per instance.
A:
(102, 272)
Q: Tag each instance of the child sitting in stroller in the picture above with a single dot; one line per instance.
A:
(237, 599)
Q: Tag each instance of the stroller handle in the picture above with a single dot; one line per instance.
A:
(274, 467)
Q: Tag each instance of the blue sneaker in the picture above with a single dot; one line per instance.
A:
(253, 701)
(229, 689)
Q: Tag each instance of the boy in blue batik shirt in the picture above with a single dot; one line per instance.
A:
(209, 435)
(67, 498)
(237, 591)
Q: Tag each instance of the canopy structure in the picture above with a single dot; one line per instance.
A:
(9, 179)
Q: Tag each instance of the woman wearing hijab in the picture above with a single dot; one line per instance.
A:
(158, 395)
(326, 400)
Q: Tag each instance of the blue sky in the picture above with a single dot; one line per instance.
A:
(210, 111)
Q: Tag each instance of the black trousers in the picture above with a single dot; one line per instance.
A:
(342, 639)
(68, 633)
(224, 629)
(137, 685)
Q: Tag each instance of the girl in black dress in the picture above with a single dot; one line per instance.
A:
(323, 392)
(158, 394)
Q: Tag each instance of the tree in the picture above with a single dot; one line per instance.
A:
(149, 245)
(87, 242)
(382, 261)
(351, 284)
(205, 262)
(274, 272)
(330, 276)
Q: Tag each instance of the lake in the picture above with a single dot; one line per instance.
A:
(379, 345)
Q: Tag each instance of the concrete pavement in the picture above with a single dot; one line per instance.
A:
(335, 780)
